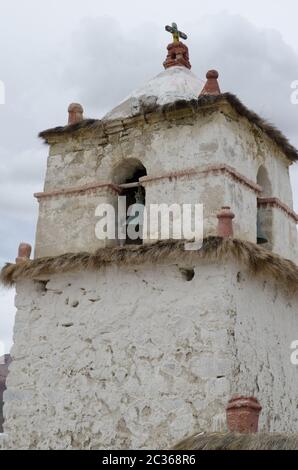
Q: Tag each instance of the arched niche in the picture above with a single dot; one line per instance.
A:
(127, 175)
(264, 212)
(128, 171)
(263, 180)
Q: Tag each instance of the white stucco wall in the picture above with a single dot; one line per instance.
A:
(213, 191)
(285, 240)
(139, 357)
(165, 147)
(265, 326)
(246, 148)
(67, 223)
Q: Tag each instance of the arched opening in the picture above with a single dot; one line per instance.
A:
(264, 212)
(264, 181)
(127, 175)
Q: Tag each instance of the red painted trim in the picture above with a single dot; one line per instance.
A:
(277, 203)
(210, 169)
(79, 189)
(216, 169)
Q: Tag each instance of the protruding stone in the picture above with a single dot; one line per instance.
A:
(243, 414)
(75, 113)
(177, 55)
(211, 86)
(225, 222)
(24, 252)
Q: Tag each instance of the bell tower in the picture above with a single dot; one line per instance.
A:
(138, 345)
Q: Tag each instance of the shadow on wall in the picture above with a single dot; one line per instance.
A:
(127, 174)
(264, 214)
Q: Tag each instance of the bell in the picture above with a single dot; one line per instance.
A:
(260, 236)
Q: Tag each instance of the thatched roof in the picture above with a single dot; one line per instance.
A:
(257, 259)
(234, 441)
(207, 100)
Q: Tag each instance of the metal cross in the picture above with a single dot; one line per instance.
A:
(175, 32)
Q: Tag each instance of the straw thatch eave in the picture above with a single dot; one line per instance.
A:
(235, 441)
(256, 259)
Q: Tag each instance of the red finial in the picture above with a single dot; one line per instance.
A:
(243, 414)
(24, 252)
(177, 55)
(211, 86)
(225, 224)
(75, 113)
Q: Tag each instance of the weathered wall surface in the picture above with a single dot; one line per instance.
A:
(164, 147)
(67, 223)
(152, 366)
(245, 147)
(266, 324)
(284, 234)
(213, 191)
(167, 146)
(4, 363)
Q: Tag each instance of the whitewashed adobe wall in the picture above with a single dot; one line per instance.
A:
(163, 147)
(153, 367)
(67, 223)
(213, 191)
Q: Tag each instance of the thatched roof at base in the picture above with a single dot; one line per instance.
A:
(233, 441)
(194, 105)
(257, 259)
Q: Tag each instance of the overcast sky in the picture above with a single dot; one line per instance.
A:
(96, 52)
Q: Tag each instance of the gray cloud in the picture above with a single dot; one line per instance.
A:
(107, 63)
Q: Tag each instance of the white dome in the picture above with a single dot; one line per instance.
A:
(174, 83)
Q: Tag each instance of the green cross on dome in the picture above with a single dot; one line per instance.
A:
(175, 32)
